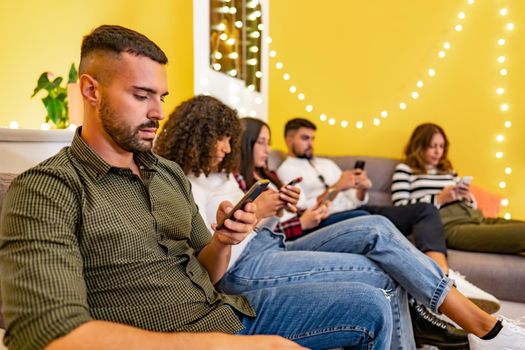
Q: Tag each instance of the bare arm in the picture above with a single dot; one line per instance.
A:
(104, 335)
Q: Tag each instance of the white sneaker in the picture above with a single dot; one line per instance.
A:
(510, 337)
(482, 299)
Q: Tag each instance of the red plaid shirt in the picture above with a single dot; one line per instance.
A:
(291, 228)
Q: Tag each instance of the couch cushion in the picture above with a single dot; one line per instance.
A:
(500, 274)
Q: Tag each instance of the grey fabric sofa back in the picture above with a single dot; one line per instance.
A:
(379, 171)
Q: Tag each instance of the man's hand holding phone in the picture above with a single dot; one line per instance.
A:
(237, 226)
(234, 224)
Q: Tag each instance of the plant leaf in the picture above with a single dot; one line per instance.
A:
(73, 74)
(42, 83)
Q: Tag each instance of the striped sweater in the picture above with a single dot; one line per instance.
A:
(408, 187)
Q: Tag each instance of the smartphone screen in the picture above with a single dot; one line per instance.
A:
(250, 196)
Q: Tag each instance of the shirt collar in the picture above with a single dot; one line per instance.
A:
(98, 167)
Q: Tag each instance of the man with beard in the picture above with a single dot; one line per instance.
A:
(321, 175)
(103, 247)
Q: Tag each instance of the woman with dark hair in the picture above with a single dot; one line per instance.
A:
(358, 250)
(427, 175)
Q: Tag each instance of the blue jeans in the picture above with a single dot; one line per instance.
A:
(316, 258)
(336, 217)
(322, 315)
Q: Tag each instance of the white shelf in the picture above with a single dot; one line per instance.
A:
(35, 135)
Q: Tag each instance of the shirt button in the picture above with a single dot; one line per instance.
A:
(190, 273)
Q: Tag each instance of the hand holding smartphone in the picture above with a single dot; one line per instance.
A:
(465, 181)
(259, 187)
(295, 181)
(329, 196)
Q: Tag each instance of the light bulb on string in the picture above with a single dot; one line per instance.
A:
(402, 106)
(286, 76)
(377, 121)
(359, 124)
(508, 170)
(501, 41)
(419, 84)
(331, 121)
(384, 114)
(344, 123)
(500, 91)
(508, 124)
(499, 155)
(322, 117)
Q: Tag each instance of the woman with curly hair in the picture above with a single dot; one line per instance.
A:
(360, 250)
(427, 175)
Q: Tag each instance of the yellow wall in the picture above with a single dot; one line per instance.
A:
(40, 36)
(352, 59)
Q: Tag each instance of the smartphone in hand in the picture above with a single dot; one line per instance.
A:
(295, 181)
(465, 181)
(259, 187)
(360, 164)
(329, 196)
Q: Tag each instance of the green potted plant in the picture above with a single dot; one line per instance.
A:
(56, 99)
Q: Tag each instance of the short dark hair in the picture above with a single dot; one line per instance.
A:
(192, 131)
(296, 124)
(115, 40)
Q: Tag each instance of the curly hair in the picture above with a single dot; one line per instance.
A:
(190, 135)
(419, 142)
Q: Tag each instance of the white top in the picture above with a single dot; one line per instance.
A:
(208, 192)
(312, 186)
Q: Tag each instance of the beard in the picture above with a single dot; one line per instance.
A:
(307, 154)
(125, 136)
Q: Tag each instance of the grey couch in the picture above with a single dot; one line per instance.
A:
(500, 274)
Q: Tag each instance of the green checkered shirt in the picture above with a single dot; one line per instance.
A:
(81, 240)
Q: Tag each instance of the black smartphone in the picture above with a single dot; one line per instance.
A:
(295, 181)
(250, 196)
(359, 164)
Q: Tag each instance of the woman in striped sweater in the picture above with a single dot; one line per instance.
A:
(427, 175)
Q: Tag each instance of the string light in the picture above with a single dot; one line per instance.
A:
(504, 107)
(344, 123)
(13, 124)
(402, 105)
(359, 124)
